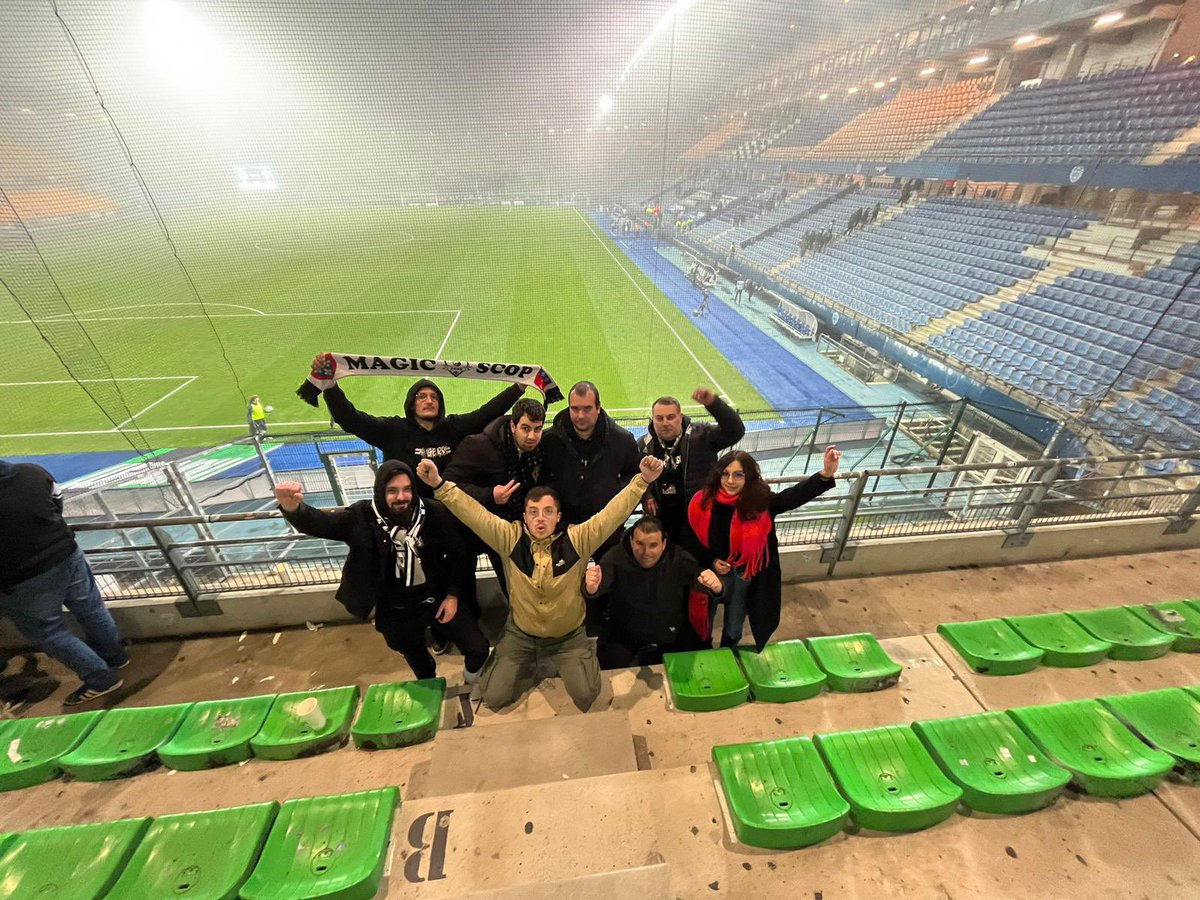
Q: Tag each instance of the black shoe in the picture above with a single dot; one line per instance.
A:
(437, 644)
(85, 694)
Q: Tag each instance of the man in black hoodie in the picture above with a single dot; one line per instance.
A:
(689, 450)
(647, 579)
(499, 466)
(425, 431)
(404, 562)
(42, 570)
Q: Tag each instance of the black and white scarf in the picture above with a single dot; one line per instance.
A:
(523, 468)
(406, 542)
(329, 368)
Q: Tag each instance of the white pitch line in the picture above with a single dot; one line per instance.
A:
(95, 380)
(646, 297)
(442, 347)
(58, 317)
(155, 403)
(330, 312)
(242, 425)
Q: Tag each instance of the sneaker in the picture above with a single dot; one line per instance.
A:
(437, 644)
(124, 664)
(470, 677)
(85, 694)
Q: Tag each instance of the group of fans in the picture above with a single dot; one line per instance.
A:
(541, 503)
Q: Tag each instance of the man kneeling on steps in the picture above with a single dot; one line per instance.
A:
(405, 561)
(545, 571)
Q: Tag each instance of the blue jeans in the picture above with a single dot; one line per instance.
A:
(734, 597)
(36, 608)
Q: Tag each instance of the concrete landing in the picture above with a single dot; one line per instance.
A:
(524, 836)
(533, 752)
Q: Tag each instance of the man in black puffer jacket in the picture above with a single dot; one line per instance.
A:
(648, 580)
(589, 458)
(688, 450)
(405, 561)
(425, 431)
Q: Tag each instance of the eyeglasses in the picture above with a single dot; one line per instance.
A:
(734, 476)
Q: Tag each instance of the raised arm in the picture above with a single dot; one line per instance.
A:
(729, 428)
(589, 535)
(475, 421)
(332, 525)
(492, 530)
(809, 489)
(372, 429)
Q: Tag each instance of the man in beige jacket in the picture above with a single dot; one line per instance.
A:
(545, 570)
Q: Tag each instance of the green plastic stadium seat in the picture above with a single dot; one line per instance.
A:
(705, 680)
(200, 856)
(284, 735)
(31, 748)
(326, 847)
(782, 672)
(1104, 757)
(72, 862)
(991, 647)
(994, 762)
(5, 840)
(890, 779)
(1169, 719)
(1179, 618)
(1131, 637)
(780, 794)
(124, 742)
(854, 662)
(399, 714)
(216, 733)
(1067, 644)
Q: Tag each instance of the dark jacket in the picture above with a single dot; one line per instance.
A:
(34, 537)
(480, 464)
(763, 598)
(650, 605)
(368, 575)
(699, 446)
(586, 485)
(403, 439)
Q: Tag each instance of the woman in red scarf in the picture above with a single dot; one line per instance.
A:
(732, 531)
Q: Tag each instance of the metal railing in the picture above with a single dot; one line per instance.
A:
(150, 558)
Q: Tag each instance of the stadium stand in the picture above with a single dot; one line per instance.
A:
(1119, 117)
(900, 129)
(814, 123)
(931, 260)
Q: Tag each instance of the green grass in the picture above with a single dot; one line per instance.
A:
(533, 285)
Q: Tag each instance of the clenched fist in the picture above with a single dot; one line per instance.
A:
(651, 467)
(708, 579)
(290, 495)
(591, 581)
(703, 396)
(428, 473)
(833, 456)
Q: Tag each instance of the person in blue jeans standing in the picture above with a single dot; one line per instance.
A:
(731, 529)
(42, 570)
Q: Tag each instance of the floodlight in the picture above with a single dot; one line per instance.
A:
(1109, 18)
(604, 107)
(1025, 39)
(928, 71)
(180, 46)
(977, 60)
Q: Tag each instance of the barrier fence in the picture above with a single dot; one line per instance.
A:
(195, 556)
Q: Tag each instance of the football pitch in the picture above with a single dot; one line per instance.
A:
(156, 368)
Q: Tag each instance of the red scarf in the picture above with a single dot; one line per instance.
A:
(747, 537)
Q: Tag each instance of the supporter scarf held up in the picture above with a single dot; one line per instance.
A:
(332, 367)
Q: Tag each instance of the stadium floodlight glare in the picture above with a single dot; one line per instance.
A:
(852, 90)
(893, 79)
(1109, 19)
(879, 84)
(180, 46)
(977, 60)
(1025, 39)
(604, 106)
(928, 71)
(823, 97)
